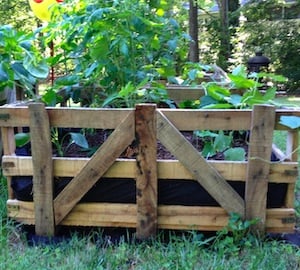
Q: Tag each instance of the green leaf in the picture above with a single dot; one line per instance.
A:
(124, 48)
(38, 70)
(222, 141)
(217, 92)
(3, 75)
(241, 82)
(79, 139)
(50, 97)
(235, 100)
(22, 139)
(205, 133)
(218, 106)
(292, 122)
(270, 94)
(67, 80)
(19, 69)
(208, 150)
(235, 154)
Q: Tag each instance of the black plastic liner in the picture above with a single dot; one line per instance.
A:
(170, 192)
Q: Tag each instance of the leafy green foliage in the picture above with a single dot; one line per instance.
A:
(235, 154)
(20, 61)
(220, 143)
(234, 237)
(240, 90)
(110, 45)
(130, 95)
(74, 138)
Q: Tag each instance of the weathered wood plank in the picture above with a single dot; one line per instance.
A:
(8, 141)
(259, 153)
(208, 119)
(146, 173)
(14, 116)
(41, 149)
(286, 172)
(8, 147)
(181, 93)
(88, 117)
(169, 217)
(104, 157)
(18, 116)
(292, 145)
(205, 174)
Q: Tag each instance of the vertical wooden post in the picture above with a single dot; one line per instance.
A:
(292, 144)
(8, 148)
(259, 154)
(42, 170)
(146, 175)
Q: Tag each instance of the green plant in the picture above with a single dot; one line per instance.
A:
(130, 95)
(74, 137)
(238, 90)
(23, 138)
(21, 63)
(220, 142)
(235, 236)
(112, 45)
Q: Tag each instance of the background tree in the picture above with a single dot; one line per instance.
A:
(17, 13)
(228, 20)
(193, 31)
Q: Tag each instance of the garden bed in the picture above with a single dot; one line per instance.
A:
(154, 187)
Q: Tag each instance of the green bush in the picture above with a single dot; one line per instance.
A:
(107, 44)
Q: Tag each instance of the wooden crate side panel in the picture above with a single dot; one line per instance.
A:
(205, 174)
(169, 217)
(103, 158)
(286, 172)
(19, 122)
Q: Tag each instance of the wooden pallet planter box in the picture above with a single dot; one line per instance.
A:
(147, 124)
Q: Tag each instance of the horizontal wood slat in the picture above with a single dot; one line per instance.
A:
(286, 172)
(169, 217)
(66, 117)
(11, 116)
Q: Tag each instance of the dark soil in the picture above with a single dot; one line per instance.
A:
(96, 138)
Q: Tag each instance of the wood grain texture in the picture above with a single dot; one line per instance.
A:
(259, 154)
(41, 149)
(175, 217)
(99, 163)
(146, 173)
(205, 174)
(286, 172)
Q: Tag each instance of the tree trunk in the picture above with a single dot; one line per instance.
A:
(225, 8)
(193, 31)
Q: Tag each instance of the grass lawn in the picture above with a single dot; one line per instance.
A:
(192, 250)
